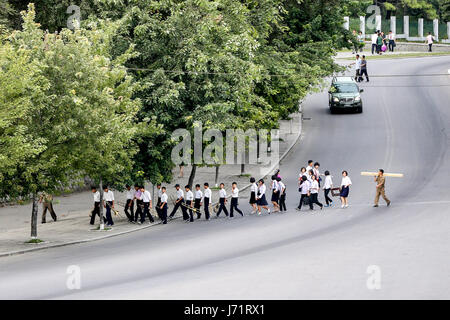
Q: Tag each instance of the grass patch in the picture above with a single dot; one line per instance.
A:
(246, 175)
(34, 241)
(401, 55)
(105, 228)
(215, 188)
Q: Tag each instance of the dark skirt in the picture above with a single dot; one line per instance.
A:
(252, 197)
(275, 196)
(262, 201)
(344, 192)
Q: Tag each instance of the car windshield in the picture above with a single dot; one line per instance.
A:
(346, 88)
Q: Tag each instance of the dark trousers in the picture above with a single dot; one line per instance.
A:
(49, 206)
(430, 49)
(357, 76)
(362, 73)
(197, 206)
(109, 219)
(158, 207)
(222, 207)
(96, 212)
(191, 214)
(283, 202)
(328, 200)
(183, 210)
(139, 212)
(379, 48)
(303, 196)
(234, 206)
(163, 214)
(129, 206)
(391, 45)
(147, 213)
(374, 48)
(206, 204)
(315, 199)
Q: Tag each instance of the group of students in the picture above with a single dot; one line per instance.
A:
(309, 184)
(382, 43)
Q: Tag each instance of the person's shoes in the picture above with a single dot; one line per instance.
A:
(342, 207)
(375, 205)
(43, 222)
(298, 209)
(389, 203)
(326, 206)
(259, 213)
(346, 205)
(139, 222)
(321, 208)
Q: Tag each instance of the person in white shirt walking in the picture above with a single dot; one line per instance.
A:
(163, 205)
(310, 166)
(189, 200)
(234, 200)
(147, 201)
(222, 201)
(275, 194)
(327, 185)
(314, 191)
(129, 204)
(282, 187)
(345, 189)
(391, 43)
(108, 204)
(305, 193)
(96, 210)
(374, 38)
(198, 200)
(179, 203)
(429, 40)
(253, 191)
(139, 205)
(158, 202)
(207, 200)
(261, 197)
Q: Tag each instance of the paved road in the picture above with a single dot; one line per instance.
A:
(325, 254)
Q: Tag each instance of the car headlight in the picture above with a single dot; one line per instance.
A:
(357, 99)
(335, 99)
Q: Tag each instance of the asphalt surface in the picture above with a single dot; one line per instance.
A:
(327, 254)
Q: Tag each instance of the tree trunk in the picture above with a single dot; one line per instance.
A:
(102, 224)
(34, 216)
(217, 176)
(192, 175)
(242, 168)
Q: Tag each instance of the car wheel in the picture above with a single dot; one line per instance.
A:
(332, 110)
(360, 109)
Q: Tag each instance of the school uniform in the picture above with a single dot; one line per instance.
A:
(146, 197)
(275, 193)
(180, 203)
(314, 191)
(234, 202)
(206, 201)
(96, 210)
(139, 205)
(189, 199)
(158, 203)
(222, 198)
(261, 196)
(253, 191)
(345, 186)
(108, 197)
(304, 189)
(197, 202)
(163, 211)
(130, 205)
(282, 196)
(328, 184)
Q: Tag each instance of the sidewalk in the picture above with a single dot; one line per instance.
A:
(73, 210)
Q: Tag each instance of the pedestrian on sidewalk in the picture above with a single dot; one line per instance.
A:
(139, 205)
(163, 205)
(380, 189)
(275, 194)
(253, 191)
(429, 40)
(108, 204)
(310, 166)
(189, 200)
(207, 200)
(363, 70)
(305, 194)
(282, 194)
(96, 210)
(47, 204)
(327, 185)
(147, 201)
(158, 203)
(234, 200)
(374, 42)
(198, 200)
(361, 41)
(314, 190)
(301, 174)
(316, 172)
(379, 43)
(129, 205)
(179, 203)
(345, 189)
(261, 197)
(222, 200)
(391, 38)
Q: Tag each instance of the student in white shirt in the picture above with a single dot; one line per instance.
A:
(108, 203)
(179, 203)
(147, 201)
(316, 172)
(234, 200)
(189, 200)
(310, 166)
(163, 205)
(429, 41)
(301, 174)
(305, 194)
(374, 38)
(282, 191)
(158, 203)
(198, 200)
(328, 184)
(275, 194)
(391, 38)
(207, 199)
(96, 210)
(345, 188)
(314, 190)
(139, 205)
(253, 191)
(222, 200)
(129, 204)
(261, 197)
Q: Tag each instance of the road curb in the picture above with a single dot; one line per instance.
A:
(288, 150)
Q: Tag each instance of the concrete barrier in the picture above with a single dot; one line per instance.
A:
(413, 47)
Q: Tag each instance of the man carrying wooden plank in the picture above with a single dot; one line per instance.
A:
(380, 190)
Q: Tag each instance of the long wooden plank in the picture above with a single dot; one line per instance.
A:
(393, 175)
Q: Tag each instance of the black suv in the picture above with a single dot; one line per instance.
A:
(345, 93)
